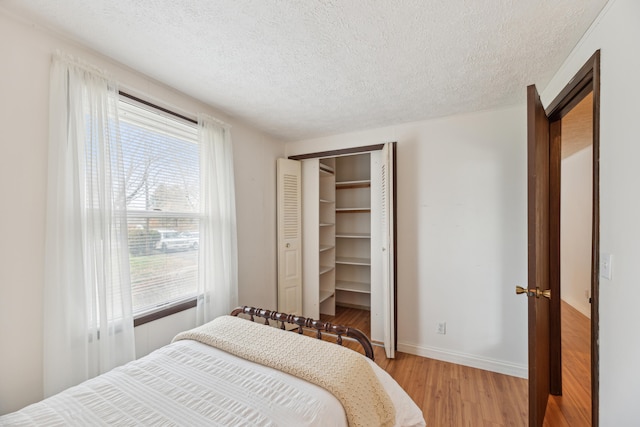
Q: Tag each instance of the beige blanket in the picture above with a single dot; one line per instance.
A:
(341, 371)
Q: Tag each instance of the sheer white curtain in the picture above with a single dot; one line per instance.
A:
(218, 263)
(88, 321)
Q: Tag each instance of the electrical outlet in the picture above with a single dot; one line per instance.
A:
(586, 293)
(441, 328)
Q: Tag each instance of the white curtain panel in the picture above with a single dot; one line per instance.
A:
(218, 262)
(88, 321)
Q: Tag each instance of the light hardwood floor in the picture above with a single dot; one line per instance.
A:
(573, 408)
(455, 395)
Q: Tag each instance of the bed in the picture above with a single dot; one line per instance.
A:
(235, 372)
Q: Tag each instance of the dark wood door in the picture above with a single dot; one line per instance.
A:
(538, 255)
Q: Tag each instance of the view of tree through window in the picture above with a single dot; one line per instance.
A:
(161, 163)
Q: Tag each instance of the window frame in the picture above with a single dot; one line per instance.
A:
(180, 305)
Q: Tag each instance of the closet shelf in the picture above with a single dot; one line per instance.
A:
(325, 295)
(353, 210)
(325, 269)
(326, 247)
(353, 260)
(347, 286)
(326, 224)
(325, 169)
(347, 235)
(326, 201)
(364, 183)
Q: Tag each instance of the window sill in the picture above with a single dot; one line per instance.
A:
(164, 311)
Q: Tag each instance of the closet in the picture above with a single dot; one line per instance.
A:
(347, 236)
(326, 237)
(353, 231)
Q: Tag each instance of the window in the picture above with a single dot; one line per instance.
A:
(161, 164)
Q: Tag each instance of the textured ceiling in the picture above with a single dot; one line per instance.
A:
(301, 69)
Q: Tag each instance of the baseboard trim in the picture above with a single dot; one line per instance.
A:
(584, 310)
(356, 306)
(487, 364)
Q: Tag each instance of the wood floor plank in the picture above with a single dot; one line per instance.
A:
(448, 394)
(573, 408)
(456, 395)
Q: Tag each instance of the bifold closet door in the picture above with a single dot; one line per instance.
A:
(289, 213)
(383, 326)
(311, 240)
(388, 248)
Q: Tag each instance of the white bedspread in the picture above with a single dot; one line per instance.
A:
(191, 384)
(339, 370)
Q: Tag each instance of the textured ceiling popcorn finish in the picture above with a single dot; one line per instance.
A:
(302, 69)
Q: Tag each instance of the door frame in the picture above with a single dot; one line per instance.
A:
(394, 207)
(585, 81)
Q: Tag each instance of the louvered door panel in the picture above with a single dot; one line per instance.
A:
(289, 236)
(388, 274)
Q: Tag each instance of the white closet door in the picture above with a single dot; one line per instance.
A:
(289, 236)
(311, 241)
(388, 273)
(377, 330)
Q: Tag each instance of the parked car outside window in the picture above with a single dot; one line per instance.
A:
(171, 240)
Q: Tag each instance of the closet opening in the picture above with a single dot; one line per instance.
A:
(348, 239)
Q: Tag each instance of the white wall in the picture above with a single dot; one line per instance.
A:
(462, 244)
(575, 229)
(24, 87)
(616, 33)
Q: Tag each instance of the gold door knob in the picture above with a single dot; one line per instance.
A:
(546, 293)
(534, 292)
